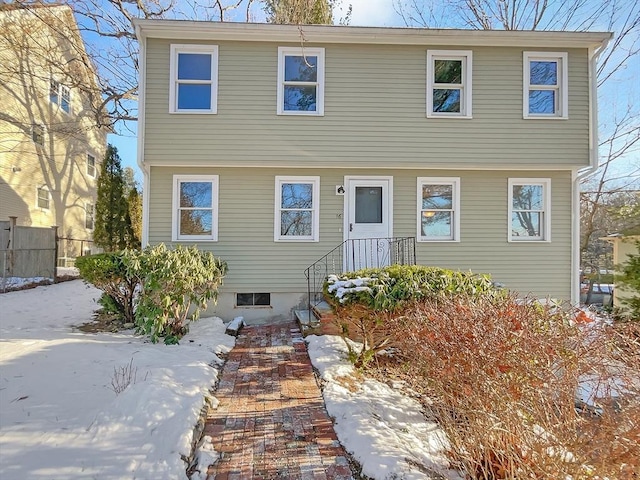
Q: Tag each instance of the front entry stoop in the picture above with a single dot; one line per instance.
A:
(320, 320)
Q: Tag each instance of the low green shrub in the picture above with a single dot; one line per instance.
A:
(364, 301)
(112, 273)
(176, 285)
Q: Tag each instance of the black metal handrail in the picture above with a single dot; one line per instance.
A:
(356, 254)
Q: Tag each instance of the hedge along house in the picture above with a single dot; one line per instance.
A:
(271, 145)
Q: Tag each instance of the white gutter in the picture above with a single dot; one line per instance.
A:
(142, 80)
(577, 176)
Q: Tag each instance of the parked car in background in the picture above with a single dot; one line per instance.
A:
(599, 294)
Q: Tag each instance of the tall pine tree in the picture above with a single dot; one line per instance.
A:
(112, 229)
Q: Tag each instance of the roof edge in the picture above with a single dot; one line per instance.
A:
(240, 31)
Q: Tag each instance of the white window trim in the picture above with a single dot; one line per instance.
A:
(561, 58)
(95, 166)
(93, 205)
(61, 87)
(455, 182)
(176, 49)
(466, 95)
(299, 51)
(175, 217)
(315, 220)
(46, 189)
(546, 197)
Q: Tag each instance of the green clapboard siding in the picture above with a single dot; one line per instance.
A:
(375, 97)
(258, 264)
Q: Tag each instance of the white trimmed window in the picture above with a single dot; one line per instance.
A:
(545, 91)
(89, 215)
(194, 79)
(195, 208)
(43, 199)
(438, 209)
(91, 165)
(297, 215)
(37, 134)
(60, 95)
(449, 83)
(529, 209)
(300, 81)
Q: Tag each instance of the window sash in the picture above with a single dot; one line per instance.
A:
(91, 165)
(545, 99)
(202, 216)
(37, 134)
(286, 216)
(451, 212)
(314, 89)
(530, 222)
(439, 106)
(184, 94)
(89, 218)
(44, 198)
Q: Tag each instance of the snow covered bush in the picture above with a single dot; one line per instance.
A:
(112, 273)
(176, 284)
(521, 389)
(365, 300)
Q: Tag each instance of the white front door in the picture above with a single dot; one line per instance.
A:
(368, 221)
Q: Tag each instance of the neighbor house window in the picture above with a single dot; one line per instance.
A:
(37, 134)
(529, 209)
(195, 207)
(545, 85)
(297, 209)
(44, 198)
(438, 209)
(91, 165)
(449, 83)
(300, 81)
(253, 299)
(194, 79)
(89, 215)
(60, 95)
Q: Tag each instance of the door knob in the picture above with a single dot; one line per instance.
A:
(351, 227)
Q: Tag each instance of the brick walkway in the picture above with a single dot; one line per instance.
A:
(272, 422)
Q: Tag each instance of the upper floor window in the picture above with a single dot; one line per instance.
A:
(89, 215)
(545, 85)
(91, 165)
(449, 83)
(60, 95)
(438, 209)
(195, 207)
(37, 134)
(194, 79)
(529, 209)
(297, 209)
(44, 198)
(300, 81)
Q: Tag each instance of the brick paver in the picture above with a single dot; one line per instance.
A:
(271, 421)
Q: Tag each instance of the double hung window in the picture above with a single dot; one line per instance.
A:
(195, 207)
(60, 95)
(44, 198)
(194, 79)
(37, 134)
(545, 85)
(300, 81)
(438, 209)
(91, 165)
(529, 209)
(297, 209)
(449, 83)
(89, 216)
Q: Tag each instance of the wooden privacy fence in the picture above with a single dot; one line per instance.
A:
(27, 252)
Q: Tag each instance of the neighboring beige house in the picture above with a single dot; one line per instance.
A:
(271, 145)
(624, 245)
(50, 146)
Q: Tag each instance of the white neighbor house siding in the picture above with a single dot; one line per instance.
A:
(258, 264)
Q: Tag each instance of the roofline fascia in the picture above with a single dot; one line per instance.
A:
(264, 32)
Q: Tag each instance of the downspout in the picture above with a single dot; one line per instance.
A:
(578, 175)
(146, 173)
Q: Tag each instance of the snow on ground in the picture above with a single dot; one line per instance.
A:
(59, 414)
(382, 429)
